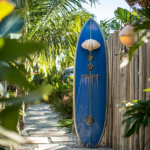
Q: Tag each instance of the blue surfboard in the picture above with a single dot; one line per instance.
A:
(90, 87)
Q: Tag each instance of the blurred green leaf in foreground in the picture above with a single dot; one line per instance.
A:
(11, 70)
(12, 23)
(10, 120)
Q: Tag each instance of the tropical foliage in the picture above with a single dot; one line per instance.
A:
(124, 15)
(11, 70)
(62, 97)
(137, 114)
(141, 26)
(66, 123)
(56, 24)
(111, 24)
(140, 19)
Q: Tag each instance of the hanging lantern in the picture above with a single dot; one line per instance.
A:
(127, 36)
(90, 44)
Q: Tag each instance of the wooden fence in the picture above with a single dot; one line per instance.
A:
(126, 84)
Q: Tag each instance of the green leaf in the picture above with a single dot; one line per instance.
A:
(1, 42)
(144, 103)
(13, 74)
(137, 126)
(124, 15)
(145, 120)
(144, 12)
(126, 120)
(11, 137)
(127, 127)
(9, 117)
(128, 113)
(12, 49)
(131, 131)
(12, 23)
(143, 25)
(30, 98)
(134, 48)
(138, 114)
(20, 66)
(139, 106)
(134, 101)
(147, 90)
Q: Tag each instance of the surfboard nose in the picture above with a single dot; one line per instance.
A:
(90, 75)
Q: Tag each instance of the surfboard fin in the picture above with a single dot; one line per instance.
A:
(90, 75)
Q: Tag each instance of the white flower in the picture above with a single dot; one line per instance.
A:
(129, 104)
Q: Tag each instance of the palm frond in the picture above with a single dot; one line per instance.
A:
(136, 115)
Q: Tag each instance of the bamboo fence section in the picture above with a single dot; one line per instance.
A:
(128, 84)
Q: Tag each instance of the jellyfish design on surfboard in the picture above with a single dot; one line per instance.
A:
(90, 85)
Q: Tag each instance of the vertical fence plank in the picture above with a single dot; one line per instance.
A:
(111, 97)
(136, 136)
(128, 98)
(141, 93)
(133, 90)
(108, 88)
(124, 84)
(125, 98)
(114, 137)
(147, 94)
(148, 85)
(144, 87)
(106, 119)
(131, 138)
(112, 89)
(121, 99)
(106, 128)
(118, 97)
(128, 140)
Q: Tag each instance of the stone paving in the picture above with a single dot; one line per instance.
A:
(41, 128)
